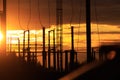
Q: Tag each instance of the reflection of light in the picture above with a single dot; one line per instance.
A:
(111, 55)
(1, 36)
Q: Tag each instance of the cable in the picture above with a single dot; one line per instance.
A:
(72, 12)
(97, 21)
(49, 22)
(39, 14)
(19, 15)
(79, 21)
(29, 14)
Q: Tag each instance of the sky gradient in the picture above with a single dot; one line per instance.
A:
(105, 17)
(102, 12)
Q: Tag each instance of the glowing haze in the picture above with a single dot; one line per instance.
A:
(100, 34)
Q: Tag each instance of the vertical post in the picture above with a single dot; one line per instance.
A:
(88, 30)
(54, 52)
(35, 54)
(72, 49)
(3, 28)
(72, 38)
(59, 34)
(49, 49)
(19, 47)
(28, 49)
(58, 66)
(24, 45)
(66, 60)
(44, 52)
(10, 44)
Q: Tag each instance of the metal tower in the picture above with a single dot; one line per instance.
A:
(59, 22)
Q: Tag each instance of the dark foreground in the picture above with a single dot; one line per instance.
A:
(15, 68)
(109, 70)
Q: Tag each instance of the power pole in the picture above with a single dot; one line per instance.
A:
(88, 30)
(59, 31)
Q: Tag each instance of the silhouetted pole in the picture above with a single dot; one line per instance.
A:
(3, 28)
(10, 44)
(28, 49)
(58, 66)
(72, 48)
(66, 60)
(24, 45)
(44, 52)
(88, 30)
(59, 31)
(49, 49)
(19, 47)
(54, 52)
(35, 54)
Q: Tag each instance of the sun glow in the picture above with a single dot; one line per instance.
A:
(1, 36)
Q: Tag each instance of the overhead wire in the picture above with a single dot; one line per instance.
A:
(72, 13)
(29, 18)
(39, 15)
(49, 20)
(97, 22)
(79, 21)
(19, 16)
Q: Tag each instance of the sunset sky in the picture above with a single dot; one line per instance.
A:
(106, 11)
(105, 17)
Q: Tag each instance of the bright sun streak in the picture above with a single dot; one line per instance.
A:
(1, 36)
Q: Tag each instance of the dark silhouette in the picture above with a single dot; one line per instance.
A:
(110, 69)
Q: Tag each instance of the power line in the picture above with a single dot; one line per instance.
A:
(39, 15)
(96, 15)
(79, 21)
(19, 15)
(49, 22)
(72, 12)
(29, 14)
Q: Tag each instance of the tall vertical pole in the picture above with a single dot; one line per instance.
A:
(35, 55)
(72, 38)
(54, 52)
(10, 44)
(3, 28)
(28, 49)
(72, 49)
(49, 49)
(24, 45)
(88, 30)
(19, 47)
(44, 52)
(28, 39)
(59, 31)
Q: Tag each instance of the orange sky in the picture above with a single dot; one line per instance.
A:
(107, 34)
(105, 14)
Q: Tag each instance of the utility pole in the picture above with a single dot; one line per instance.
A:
(19, 47)
(44, 52)
(88, 30)
(72, 53)
(28, 48)
(59, 31)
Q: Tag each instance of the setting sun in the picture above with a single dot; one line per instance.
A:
(1, 36)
